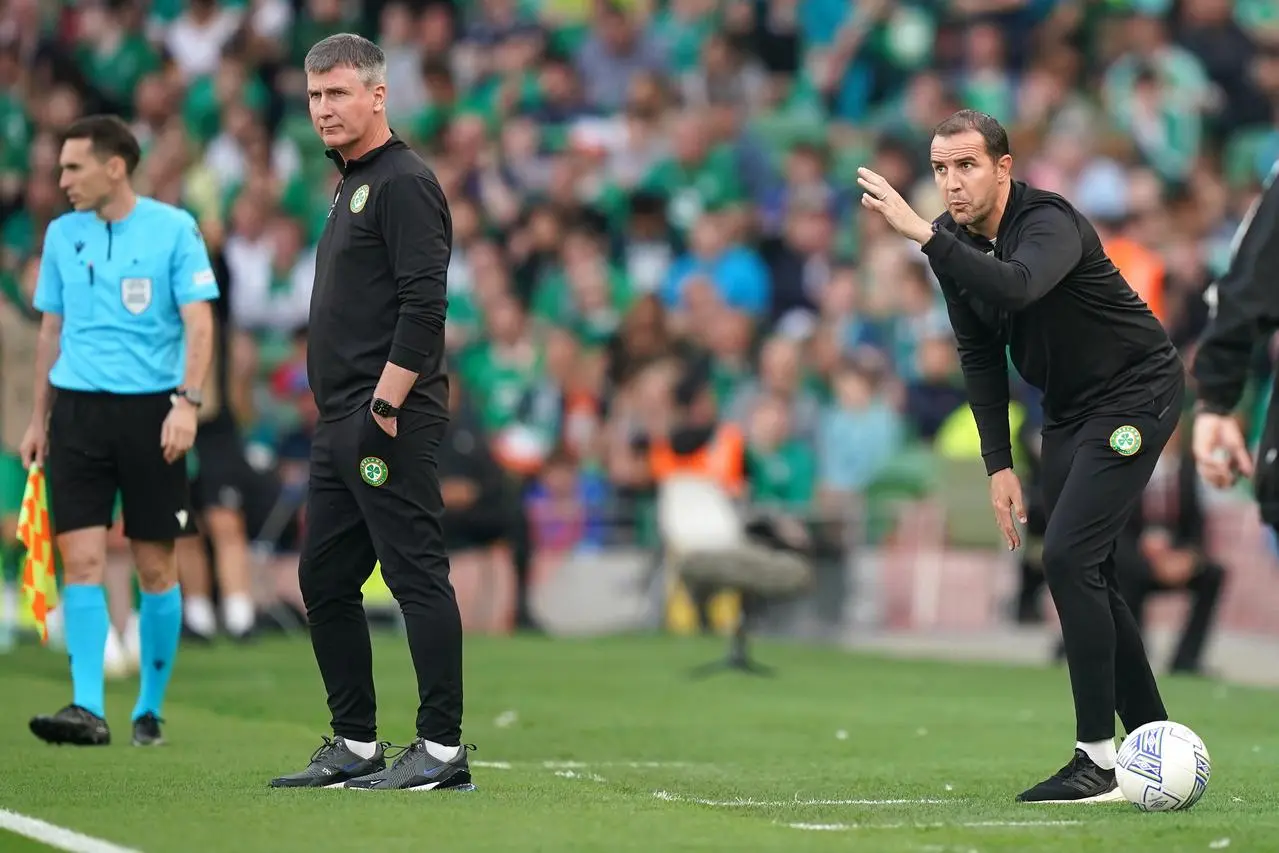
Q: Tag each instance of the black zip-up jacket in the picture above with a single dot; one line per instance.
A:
(1046, 290)
(380, 292)
(1243, 305)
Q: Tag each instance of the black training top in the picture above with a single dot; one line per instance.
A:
(1045, 289)
(380, 290)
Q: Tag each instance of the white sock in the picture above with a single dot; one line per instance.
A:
(197, 611)
(364, 750)
(115, 660)
(1102, 752)
(132, 638)
(440, 752)
(237, 613)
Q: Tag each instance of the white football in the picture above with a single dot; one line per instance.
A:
(1163, 766)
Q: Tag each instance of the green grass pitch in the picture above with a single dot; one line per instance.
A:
(608, 745)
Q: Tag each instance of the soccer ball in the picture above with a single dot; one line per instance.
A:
(1162, 767)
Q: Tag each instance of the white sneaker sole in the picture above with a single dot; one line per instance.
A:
(1115, 796)
(469, 786)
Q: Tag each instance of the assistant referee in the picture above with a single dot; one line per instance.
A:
(1024, 273)
(125, 339)
(375, 363)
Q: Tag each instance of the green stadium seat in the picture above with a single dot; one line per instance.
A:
(962, 489)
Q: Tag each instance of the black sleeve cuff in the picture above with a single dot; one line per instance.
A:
(998, 460)
(411, 346)
(1211, 407)
(940, 244)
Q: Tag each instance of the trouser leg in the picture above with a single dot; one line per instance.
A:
(337, 558)
(404, 514)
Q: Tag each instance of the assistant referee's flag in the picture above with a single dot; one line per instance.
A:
(39, 586)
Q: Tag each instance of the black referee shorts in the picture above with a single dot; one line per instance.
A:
(101, 445)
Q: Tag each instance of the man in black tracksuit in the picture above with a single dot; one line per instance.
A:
(375, 364)
(1023, 272)
(1244, 306)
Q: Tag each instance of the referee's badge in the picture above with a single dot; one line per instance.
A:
(373, 471)
(1126, 440)
(359, 198)
(135, 293)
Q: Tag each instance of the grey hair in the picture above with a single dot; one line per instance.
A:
(348, 50)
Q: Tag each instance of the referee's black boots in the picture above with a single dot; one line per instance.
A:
(72, 725)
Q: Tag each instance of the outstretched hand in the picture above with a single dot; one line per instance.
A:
(886, 201)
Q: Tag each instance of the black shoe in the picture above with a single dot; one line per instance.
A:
(74, 725)
(146, 730)
(1080, 781)
(331, 765)
(417, 770)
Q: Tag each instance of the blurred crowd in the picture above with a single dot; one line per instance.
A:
(654, 205)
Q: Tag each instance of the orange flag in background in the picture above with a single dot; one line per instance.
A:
(39, 586)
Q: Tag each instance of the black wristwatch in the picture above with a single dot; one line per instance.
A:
(383, 409)
(195, 398)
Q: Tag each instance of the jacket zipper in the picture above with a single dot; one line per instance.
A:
(110, 240)
(337, 195)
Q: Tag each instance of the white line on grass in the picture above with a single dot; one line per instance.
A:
(753, 803)
(57, 836)
(977, 824)
(579, 765)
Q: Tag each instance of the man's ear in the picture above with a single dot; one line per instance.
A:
(379, 97)
(1004, 168)
(116, 169)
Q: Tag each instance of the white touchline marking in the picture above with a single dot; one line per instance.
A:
(977, 824)
(753, 803)
(57, 836)
(577, 774)
(579, 765)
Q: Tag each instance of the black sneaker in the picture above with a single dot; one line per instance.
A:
(331, 765)
(74, 725)
(1080, 781)
(417, 770)
(146, 730)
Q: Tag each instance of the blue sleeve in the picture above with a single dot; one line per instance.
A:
(751, 288)
(48, 295)
(672, 290)
(830, 453)
(191, 272)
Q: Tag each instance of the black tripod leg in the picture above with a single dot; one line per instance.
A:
(738, 658)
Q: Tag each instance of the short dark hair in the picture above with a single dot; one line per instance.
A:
(347, 50)
(991, 130)
(109, 136)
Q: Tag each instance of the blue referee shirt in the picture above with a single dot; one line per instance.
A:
(119, 287)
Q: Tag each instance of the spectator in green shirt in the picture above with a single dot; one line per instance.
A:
(782, 469)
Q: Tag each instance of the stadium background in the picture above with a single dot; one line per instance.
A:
(645, 192)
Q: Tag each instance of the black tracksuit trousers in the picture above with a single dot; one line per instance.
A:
(1093, 479)
(374, 497)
